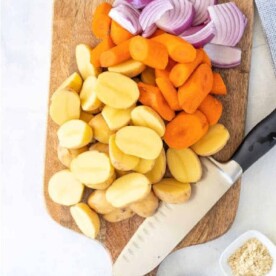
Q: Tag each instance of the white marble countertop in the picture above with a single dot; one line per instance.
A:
(32, 243)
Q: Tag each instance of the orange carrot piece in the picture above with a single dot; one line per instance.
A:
(157, 32)
(211, 108)
(150, 52)
(181, 72)
(148, 76)
(219, 86)
(101, 21)
(118, 33)
(169, 92)
(162, 73)
(171, 64)
(151, 96)
(192, 92)
(103, 46)
(206, 59)
(185, 130)
(179, 50)
(116, 55)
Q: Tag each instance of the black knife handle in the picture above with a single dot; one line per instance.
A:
(257, 142)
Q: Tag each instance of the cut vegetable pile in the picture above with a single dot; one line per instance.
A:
(147, 84)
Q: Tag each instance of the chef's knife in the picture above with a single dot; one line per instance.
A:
(158, 235)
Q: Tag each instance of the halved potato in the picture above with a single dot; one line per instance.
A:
(120, 160)
(83, 58)
(64, 106)
(100, 128)
(98, 202)
(146, 207)
(85, 116)
(130, 68)
(147, 117)
(118, 215)
(116, 90)
(92, 168)
(116, 118)
(74, 134)
(100, 147)
(104, 185)
(213, 141)
(172, 191)
(184, 165)
(66, 156)
(128, 189)
(139, 141)
(159, 168)
(73, 82)
(64, 188)
(144, 165)
(87, 220)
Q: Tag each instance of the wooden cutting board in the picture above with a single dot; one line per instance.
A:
(71, 25)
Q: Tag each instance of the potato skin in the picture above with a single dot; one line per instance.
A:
(97, 201)
(119, 215)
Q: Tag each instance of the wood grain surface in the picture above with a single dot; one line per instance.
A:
(71, 25)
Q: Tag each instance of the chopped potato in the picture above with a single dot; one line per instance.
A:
(87, 220)
(139, 141)
(92, 168)
(213, 141)
(64, 188)
(144, 165)
(184, 165)
(85, 116)
(128, 189)
(120, 160)
(116, 118)
(83, 57)
(172, 191)
(65, 106)
(100, 129)
(118, 215)
(116, 90)
(73, 82)
(146, 207)
(159, 168)
(88, 97)
(147, 117)
(74, 134)
(129, 68)
(66, 156)
(100, 147)
(104, 185)
(98, 202)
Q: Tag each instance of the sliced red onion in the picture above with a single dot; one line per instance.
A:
(149, 31)
(200, 35)
(201, 12)
(177, 20)
(223, 56)
(120, 2)
(138, 4)
(127, 17)
(153, 12)
(230, 23)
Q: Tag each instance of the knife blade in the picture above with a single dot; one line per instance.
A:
(158, 235)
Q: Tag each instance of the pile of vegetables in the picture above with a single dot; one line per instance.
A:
(143, 86)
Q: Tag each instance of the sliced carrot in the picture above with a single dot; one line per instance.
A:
(169, 92)
(116, 55)
(219, 86)
(150, 52)
(171, 64)
(196, 88)
(185, 129)
(157, 32)
(148, 76)
(162, 73)
(103, 46)
(101, 21)
(206, 59)
(151, 96)
(179, 50)
(182, 71)
(211, 108)
(118, 33)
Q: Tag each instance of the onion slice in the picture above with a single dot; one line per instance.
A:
(223, 56)
(201, 12)
(230, 23)
(153, 12)
(127, 17)
(178, 19)
(138, 4)
(149, 31)
(200, 35)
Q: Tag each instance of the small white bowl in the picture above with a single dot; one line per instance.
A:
(239, 242)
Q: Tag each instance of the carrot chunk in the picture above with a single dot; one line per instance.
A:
(219, 86)
(118, 33)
